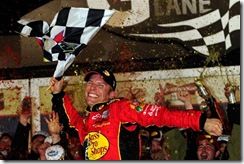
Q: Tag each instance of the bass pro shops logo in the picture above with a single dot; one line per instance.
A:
(96, 146)
(197, 24)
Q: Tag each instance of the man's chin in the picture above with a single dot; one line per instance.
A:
(92, 102)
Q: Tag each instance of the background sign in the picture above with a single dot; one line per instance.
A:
(144, 35)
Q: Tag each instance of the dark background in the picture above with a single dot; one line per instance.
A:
(12, 10)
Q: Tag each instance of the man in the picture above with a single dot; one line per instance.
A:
(207, 146)
(20, 139)
(158, 146)
(5, 144)
(234, 115)
(99, 131)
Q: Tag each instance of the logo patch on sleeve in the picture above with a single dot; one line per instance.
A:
(135, 104)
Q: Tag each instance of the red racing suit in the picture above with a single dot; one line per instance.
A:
(99, 131)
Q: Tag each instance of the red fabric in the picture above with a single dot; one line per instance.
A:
(108, 120)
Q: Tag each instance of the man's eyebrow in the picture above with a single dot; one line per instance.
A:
(100, 82)
(210, 144)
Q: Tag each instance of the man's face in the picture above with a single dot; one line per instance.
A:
(159, 151)
(156, 146)
(156, 150)
(37, 142)
(206, 150)
(97, 90)
(5, 145)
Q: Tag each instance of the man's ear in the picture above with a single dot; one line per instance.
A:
(112, 95)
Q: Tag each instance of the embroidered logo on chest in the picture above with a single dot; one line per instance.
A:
(101, 119)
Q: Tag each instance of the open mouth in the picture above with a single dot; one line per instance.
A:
(93, 95)
(204, 157)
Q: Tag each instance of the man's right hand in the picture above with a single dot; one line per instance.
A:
(213, 126)
(56, 85)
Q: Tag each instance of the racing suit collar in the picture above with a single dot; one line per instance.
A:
(99, 106)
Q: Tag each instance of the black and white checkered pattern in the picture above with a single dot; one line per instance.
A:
(216, 31)
(70, 31)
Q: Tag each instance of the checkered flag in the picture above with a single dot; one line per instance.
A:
(218, 30)
(69, 33)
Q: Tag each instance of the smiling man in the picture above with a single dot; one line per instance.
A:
(100, 131)
(207, 147)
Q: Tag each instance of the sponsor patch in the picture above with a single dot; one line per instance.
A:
(96, 146)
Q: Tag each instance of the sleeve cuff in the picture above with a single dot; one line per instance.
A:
(59, 95)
